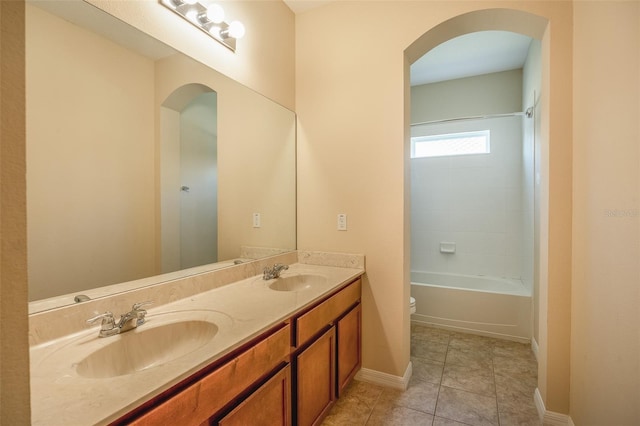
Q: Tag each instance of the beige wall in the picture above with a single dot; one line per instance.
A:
(264, 57)
(495, 93)
(14, 354)
(88, 220)
(351, 157)
(605, 307)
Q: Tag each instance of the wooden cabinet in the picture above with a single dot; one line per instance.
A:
(269, 405)
(315, 379)
(328, 353)
(291, 375)
(349, 346)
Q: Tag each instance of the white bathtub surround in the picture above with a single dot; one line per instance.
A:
(241, 311)
(472, 200)
(487, 306)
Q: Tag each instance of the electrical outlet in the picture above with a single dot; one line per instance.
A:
(342, 222)
(256, 220)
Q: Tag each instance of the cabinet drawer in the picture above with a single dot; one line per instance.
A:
(316, 319)
(269, 405)
(203, 399)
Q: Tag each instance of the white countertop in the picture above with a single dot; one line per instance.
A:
(241, 311)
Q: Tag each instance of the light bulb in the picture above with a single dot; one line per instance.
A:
(192, 15)
(215, 31)
(236, 29)
(215, 13)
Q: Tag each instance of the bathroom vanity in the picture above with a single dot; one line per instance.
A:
(277, 351)
(255, 384)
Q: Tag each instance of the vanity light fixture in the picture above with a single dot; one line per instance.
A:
(209, 18)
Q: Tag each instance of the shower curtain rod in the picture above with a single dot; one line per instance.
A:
(528, 113)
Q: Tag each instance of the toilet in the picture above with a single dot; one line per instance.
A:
(412, 305)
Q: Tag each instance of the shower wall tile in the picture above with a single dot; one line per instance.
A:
(477, 264)
(472, 199)
(492, 265)
(469, 177)
(426, 171)
(469, 161)
(420, 260)
(475, 201)
(513, 245)
(479, 242)
(477, 220)
(437, 220)
(436, 197)
(513, 200)
(513, 267)
(513, 177)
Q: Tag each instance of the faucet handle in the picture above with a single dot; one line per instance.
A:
(108, 321)
(108, 326)
(137, 306)
(140, 313)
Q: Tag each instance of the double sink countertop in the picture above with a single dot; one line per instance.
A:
(82, 379)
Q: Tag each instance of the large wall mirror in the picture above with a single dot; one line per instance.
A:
(143, 164)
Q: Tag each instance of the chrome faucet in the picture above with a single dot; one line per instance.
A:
(132, 319)
(274, 271)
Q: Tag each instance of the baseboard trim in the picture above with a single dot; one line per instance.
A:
(534, 347)
(550, 418)
(384, 379)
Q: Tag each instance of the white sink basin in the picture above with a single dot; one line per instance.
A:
(300, 282)
(144, 348)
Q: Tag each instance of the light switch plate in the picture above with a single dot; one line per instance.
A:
(342, 222)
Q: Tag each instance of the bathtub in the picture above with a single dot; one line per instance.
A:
(489, 306)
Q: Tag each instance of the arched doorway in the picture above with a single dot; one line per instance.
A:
(545, 251)
(188, 178)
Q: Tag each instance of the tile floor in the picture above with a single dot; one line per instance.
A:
(458, 379)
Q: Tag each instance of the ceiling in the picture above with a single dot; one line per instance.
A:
(299, 6)
(471, 54)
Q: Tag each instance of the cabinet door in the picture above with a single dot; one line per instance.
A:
(315, 376)
(269, 405)
(349, 355)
